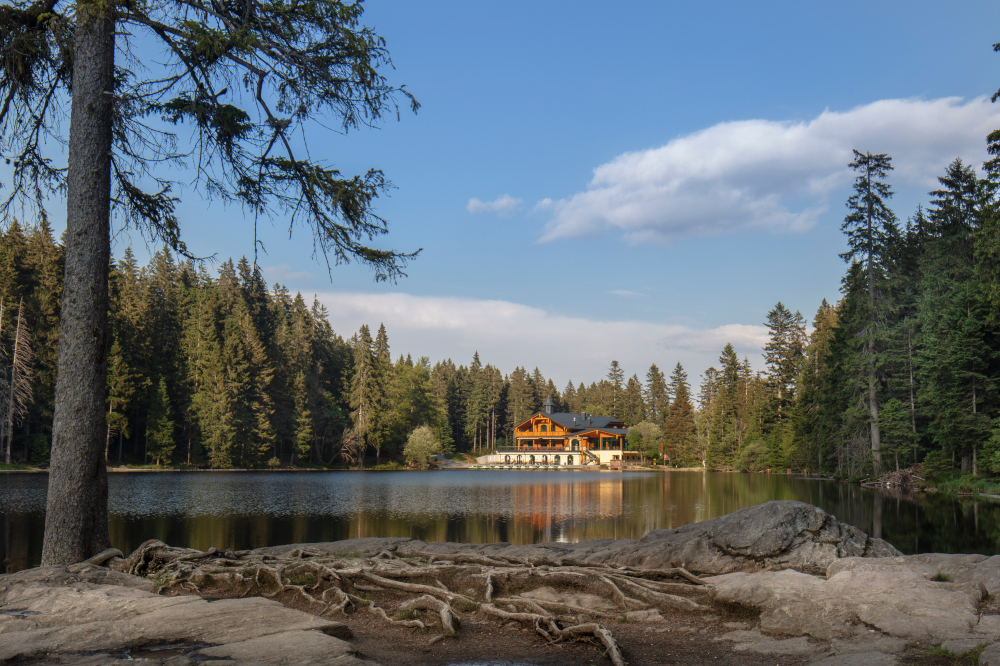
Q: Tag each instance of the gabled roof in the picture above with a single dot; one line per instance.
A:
(610, 431)
(577, 422)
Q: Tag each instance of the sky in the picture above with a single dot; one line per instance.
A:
(639, 181)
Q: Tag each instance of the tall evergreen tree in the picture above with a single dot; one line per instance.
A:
(678, 428)
(656, 395)
(870, 226)
(616, 381)
(160, 426)
(783, 355)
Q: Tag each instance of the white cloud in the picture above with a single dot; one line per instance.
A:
(510, 334)
(769, 175)
(284, 273)
(503, 205)
(624, 292)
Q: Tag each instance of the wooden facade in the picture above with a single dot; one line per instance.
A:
(562, 438)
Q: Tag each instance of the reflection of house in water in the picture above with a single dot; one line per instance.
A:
(563, 438)
(568, 511)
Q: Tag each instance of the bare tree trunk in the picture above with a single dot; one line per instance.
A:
(76, 519)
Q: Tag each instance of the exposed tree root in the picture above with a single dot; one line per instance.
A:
(422, 590)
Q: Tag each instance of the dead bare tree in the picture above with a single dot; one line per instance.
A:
(22, 375)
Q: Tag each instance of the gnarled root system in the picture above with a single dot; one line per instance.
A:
(430, 591)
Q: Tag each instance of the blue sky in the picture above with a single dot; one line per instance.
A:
(640, 180)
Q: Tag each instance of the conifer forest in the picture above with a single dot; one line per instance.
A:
(221, 370)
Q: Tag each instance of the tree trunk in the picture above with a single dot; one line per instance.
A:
(76, 519)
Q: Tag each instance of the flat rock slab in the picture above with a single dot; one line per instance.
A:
(309, 648)
(860, 659)
(84, 608)
(898, 603)
(780, 534)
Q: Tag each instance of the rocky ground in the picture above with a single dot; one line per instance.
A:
(780, 583)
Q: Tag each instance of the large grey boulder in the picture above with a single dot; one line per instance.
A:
(781, 534)
(899, 603)
(88, 609)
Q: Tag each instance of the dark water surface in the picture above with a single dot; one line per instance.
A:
(251, 509)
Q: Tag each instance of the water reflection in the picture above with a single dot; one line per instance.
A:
(247, 510)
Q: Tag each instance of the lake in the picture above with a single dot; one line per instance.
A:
(251, 509)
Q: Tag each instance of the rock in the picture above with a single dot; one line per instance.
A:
(650, 615)
(754, 641)
(860, 659)
(962, 646)
(990, 656)
(869, 642)
(882, 564)
(61, 610)
(288, 647)
(989, 625)
(781, 534)
(898, 603)
(578, 599)
(985, 571)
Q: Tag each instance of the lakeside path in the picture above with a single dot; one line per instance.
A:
(778, 583)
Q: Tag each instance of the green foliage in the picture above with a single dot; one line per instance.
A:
(754, 457)
(645, 437)
(421, 447)
(160, 429)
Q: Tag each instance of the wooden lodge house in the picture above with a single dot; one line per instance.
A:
(562, 438)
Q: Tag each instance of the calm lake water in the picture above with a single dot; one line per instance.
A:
(251, 509)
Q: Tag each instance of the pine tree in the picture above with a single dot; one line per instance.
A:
(656, 396)
(381, 427)
(678, 427)
(122, 386)
(616, 380)
(783, 355)
(871, 227)
(634, 406)
(364, 396)
(160, 426)
(520, 403)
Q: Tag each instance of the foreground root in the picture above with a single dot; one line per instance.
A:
(429, 591)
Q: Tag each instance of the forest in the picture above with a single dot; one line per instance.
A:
(224, 371)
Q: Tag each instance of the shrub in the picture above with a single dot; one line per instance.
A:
(421, 447)
(754, 457)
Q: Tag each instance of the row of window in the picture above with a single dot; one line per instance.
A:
(541, 428)
(535, 460)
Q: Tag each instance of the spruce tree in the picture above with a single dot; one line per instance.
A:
(678, 428)
(364, 396)
(160, 426)
(656, 396)
(616, 381)
(783, 354)
(634, 406)
(870, 226)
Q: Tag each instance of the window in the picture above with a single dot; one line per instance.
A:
(543, 428)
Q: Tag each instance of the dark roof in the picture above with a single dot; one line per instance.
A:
(577, 422)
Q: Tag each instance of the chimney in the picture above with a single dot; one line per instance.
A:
(548, 405)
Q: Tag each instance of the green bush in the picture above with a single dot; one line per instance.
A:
(754, 457)
(421, 447)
